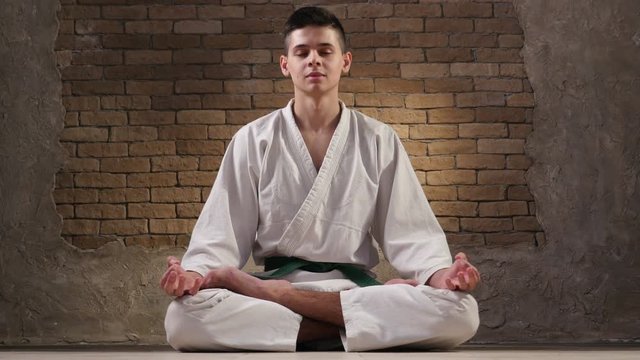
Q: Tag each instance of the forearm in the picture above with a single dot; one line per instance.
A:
(320, 306)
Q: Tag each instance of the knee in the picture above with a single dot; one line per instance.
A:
(177, 327)
(463, 320)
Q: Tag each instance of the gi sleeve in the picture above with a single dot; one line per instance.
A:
(404, 224)
(226, 228)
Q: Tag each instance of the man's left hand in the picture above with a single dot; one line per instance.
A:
(461, 276)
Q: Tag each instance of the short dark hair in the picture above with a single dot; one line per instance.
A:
(313, 16)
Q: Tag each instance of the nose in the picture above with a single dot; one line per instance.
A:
(314, 58)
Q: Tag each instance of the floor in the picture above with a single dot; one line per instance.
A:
(463, 353)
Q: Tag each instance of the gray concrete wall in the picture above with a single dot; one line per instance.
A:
(582, 284)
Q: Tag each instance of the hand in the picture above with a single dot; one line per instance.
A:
(461, 276)
(176, 281)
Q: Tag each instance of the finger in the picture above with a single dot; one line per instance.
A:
(163, 280)
(170, 284)
(462, 283)
(461, 256)
(195, 286)
(181, 285)
(450, 284)
(171, 260)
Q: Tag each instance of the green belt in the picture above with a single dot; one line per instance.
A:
(279, 266)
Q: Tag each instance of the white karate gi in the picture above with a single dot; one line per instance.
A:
(269, 200)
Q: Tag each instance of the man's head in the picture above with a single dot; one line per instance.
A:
(313, 16)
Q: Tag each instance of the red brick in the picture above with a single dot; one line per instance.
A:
(123, 227)
(71, 119)
(128, 72)
(395, 116)
(481, 192)
(448, 85)
(521, 100)
(454, 208)
(176, 102)
(286, 86)
(518, 162)
(80, 227)
(224, 132)
(224, 101)
(171, 226)
(151, 180)
(99, 180)
(356, 85)
(519, 193)
(465, 239)
(372, 40)
(453, 115)
(125, 165)
(352, 26)
(500, 114)
(84, 134)
(75, 196)
(242, 117)
(270, 101)
(424, 40)
(501, 26)
(504, 10)
(81, 72)
(513, 70)
(501, 146)
(474, 69)
(172, 12)
(197, 56)
(124, 12)
(526, 223)
(504, 85)
(175, 195)
(246, 56)
(189, 210)
(414, 148)
(130, 102)
(369, 10)
(133, 133)
(440, 192)
(424, 70)
(124, 195)
(431, 163)
(451, 177)
(398, 86)
(175, 41)
(79, 12)
(511, 41)
(151, 241)
(149, 87)
(81, 165)
(486, 224)
(399, 25)
(195, 178)
(210, 162)
(200, 147)
(452, 147)
(101, 211)
(98, 27)
(480, 161)
(151, 211)
(176, 72)
(418, 10)
(467, 9)
(246, 26)
(198, 86)
(151, 117)
(220, 12)
(520, 131)
(135, 57)
(399, 55)
(270, 11)
(433, 132)
(117, 41)
(201, 117)
(503, 208)
(248, 86)
(149, 148)
(478, 99)
(514, 177)
(498, 55)
(429, 101)
(63, 180)
(449, 25)
(225, 72)
(265, 71)
(148, 27)
(379, 100)
(66, 211)
(103, 118)
(181, 132)
(102, 150)
(96, 57)
(483, 130)
(73, 42)
(473, 40)
(174, 163)
(449, 55)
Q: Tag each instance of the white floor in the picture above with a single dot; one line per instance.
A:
(538, 353)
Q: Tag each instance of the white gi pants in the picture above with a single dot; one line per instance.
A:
(375, 317)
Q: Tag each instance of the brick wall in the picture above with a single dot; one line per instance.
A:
(154, 90)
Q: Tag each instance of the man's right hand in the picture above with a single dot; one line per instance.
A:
(176, 281)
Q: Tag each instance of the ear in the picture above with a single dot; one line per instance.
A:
(284, 63)
(347, 58)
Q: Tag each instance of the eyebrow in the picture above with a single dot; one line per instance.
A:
(302, 46)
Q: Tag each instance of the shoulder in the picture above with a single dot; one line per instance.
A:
(371, 128)
(260, 129)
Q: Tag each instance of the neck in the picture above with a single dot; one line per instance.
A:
(316, 114)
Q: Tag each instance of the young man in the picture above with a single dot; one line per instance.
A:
(307, 189)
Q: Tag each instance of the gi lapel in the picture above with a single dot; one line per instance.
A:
(294, 233)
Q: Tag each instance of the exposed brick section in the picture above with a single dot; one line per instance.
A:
(154, 91)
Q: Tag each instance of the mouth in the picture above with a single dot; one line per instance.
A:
(315, 75)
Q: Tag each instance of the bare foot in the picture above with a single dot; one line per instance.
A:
(242, 283)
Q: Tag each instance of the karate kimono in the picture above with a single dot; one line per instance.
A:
(269, 200)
